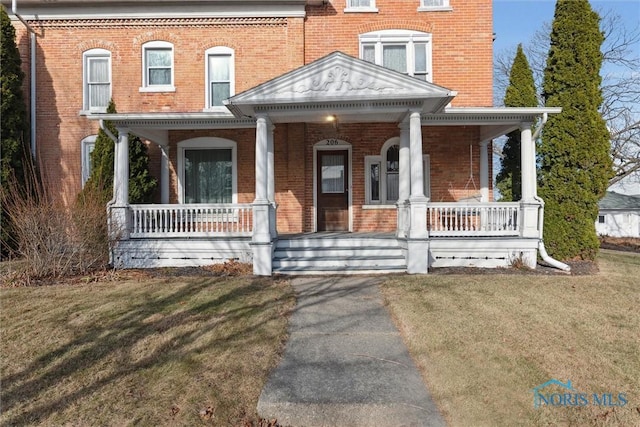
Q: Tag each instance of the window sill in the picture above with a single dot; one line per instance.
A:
(221, 109)
(152, 89)
(90, 112)
(361, 10)
(435, 9)
(372, 207)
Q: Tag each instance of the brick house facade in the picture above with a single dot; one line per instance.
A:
(272, 90)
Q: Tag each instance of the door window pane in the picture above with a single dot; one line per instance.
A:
(332, 173)
(393, 166)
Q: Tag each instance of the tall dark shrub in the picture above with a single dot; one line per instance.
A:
(575, 161)
(521, 92)
(14, 123)
(141, 184)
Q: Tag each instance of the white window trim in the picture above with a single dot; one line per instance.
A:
(145, 84)
(93, 53)
(218, 50)
(86, 145)
(356, 9)
(406, 37)
(444, 7)
(381, 160)
(205, 143)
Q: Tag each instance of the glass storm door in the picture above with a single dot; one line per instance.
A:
(333, 190)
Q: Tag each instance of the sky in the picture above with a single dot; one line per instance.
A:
(515, 21)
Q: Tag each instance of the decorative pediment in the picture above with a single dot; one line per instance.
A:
(340, 78)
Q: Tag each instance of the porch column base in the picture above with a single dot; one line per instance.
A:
(119, 223)
(418, 218)
(417, 256)
(529, 211)
(403, 220)
(262, 258)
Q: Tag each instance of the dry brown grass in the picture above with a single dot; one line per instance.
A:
(484, 342)
(166, 351)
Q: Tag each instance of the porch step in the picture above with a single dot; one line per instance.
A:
(338, 255)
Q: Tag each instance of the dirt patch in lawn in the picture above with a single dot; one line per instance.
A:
(626, 244)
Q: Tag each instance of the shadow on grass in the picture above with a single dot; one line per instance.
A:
(108, 340)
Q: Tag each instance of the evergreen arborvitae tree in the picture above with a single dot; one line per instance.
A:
(141, 184)
(14, 124)
(521, 92)
(575, 161)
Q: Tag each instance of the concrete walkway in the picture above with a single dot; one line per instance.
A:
(345, 363)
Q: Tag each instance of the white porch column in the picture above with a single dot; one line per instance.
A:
(529, 206)
(484, 171)
(418, 238)
(119, 218)
(404, 184)
(164, 174)
(261, 240)
(271, 183)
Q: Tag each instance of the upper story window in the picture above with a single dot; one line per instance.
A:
(404, 51)
(97, 80)
(427, 5)
(220, 77)
(157, 67)
(361, 6)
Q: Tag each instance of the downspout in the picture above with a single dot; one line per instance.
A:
(543, 251)
(32, 78)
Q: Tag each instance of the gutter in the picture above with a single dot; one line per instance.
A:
(32, 78)
(541, 249)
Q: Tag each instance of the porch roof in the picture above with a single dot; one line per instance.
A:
(340, 86)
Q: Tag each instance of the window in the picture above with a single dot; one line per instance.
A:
(382, 175)
(88, 144)
(157, 64)
(219, 76)
(429, 5)
(361, 6)
(97, 80)
(600, 219)
(208, 171)
(407, 52)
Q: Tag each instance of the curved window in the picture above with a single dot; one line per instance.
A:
(88, 144)
(97, 80)
(382, 175)
(405, 51)
(220, 77)
(157, 66)
(207, 170)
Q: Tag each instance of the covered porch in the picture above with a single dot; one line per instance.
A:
(345, 91)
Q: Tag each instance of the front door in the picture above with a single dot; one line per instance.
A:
(333, 190)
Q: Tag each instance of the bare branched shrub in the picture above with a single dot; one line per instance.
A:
(55, 240)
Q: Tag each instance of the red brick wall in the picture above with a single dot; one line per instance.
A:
(462, 39)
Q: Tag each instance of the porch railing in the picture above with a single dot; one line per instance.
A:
(193, 220)
(473, 219)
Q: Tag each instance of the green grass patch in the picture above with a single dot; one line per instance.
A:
(483, 342)
(175, 351)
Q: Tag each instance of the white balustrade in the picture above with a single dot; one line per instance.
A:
(473, 219)
(193, 220)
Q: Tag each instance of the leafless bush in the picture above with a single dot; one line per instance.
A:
(55, 240)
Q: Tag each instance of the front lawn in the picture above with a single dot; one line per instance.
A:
(483, 342)
(144, 351)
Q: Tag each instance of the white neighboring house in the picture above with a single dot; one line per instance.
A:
(619, 215)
